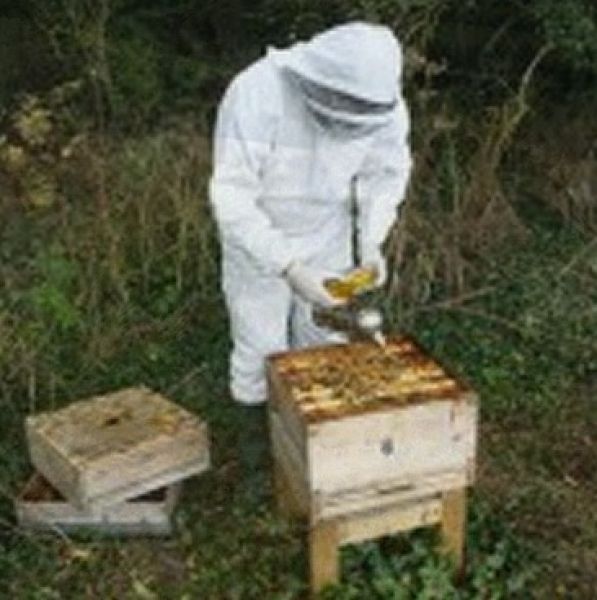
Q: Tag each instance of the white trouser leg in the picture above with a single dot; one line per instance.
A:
(259, 309)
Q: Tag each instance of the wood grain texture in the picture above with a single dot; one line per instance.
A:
(453, 527)
(288, 502)
(366, 446)
(364, 513)
(389, 520)
(327, 537)
(110, 448)
(323, 555)
(408, 442)
(362, 448)
(387, 490)
(42, 508)
(280, 402)
(292, 488)
(382, 494)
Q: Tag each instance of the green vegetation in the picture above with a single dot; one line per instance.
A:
(109, 277)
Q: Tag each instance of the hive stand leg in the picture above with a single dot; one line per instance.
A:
(453, 527)
(323, 555)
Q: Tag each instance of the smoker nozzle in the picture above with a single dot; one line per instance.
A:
(352, 320)
(370, 322)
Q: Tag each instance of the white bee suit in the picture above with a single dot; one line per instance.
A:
(280, 190)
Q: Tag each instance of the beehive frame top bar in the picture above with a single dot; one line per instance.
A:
(336, 381)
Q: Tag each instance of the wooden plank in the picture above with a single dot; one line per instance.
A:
(138, 484)
(286, 443)
(51, 460)
(323, 506)
(383, 493)
(111, 448)
(323, 555)
(289, 471)
(453, 527)
(281, 402)
(409, 442)
(288, 501)
(471, 424)
(41, 507)
(389, 520)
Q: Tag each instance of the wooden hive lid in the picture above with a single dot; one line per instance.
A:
(332, 382)
(90, 430)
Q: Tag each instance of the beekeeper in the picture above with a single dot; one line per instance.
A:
(297, 132)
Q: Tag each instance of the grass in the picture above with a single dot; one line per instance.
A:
(526, 346)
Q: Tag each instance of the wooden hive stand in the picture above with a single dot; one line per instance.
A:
(369, 442)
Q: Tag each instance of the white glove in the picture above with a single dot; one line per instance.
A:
(308, 283)
(372, 258)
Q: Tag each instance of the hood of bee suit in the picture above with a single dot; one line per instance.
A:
(359, 60)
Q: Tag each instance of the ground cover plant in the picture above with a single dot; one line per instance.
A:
(109, 277)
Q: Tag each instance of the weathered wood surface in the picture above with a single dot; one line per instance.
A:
(289, 470)
(319, 505)
(407, 443)
(389, 520)
(280, 402)
(384, 494)
(327, 537)
(287, 502)
(114, 447)
(453, 527)
(41, 507)
(323, 555)
(371, 458)
(368, 443)
(365, 514)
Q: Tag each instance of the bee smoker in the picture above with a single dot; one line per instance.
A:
(354, 318)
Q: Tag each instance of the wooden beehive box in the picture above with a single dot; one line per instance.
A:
(111, 448)
(40, 506)
(356, 427)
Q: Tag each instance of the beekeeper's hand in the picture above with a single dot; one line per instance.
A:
(373, 259)
(308, 282)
